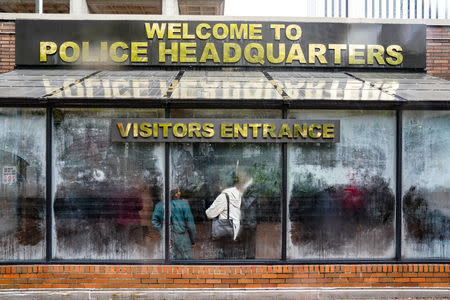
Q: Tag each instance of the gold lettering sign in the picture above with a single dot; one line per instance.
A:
(226, 43)
(198, 130)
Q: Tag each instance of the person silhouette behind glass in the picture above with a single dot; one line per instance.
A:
(182, 226)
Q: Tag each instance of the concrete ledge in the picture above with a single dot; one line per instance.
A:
(260, 294)
(31, 16)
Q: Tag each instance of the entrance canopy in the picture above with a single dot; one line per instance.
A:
(293, 87)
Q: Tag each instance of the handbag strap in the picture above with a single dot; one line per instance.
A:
(228, 206)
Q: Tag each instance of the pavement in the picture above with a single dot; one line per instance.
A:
(259, 294)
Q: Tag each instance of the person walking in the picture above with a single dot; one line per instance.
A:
(182, 227)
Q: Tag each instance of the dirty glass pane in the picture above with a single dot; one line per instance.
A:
(252, 175)
(426, 184)
(22, 194)
(105, 192)
(341, 201)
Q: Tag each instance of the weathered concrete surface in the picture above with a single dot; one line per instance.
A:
(260, 294)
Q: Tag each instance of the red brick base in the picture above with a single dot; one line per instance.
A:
(152, 276)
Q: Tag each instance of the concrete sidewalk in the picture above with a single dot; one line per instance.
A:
(260, 294)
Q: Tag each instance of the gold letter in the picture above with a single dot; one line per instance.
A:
(241, 34)
(215, 31)
(135, 51)
(311, 131)
(296, 53)
(126, 132)
(258, 57)
(146, 130)
(199, 32)
(281, 53)
(303, 131)
(173, 52)
(317, 50)
(113, 52)
(85, 57)
(210, 52)
(208, 130)
(328, 131)
(183, 130)
(254, 30)
(226, 130)
(165, 127)
(393, 51)
(160, 31)
(268, 129)
(337, 51)
(353, 53)
(186, 35)
(63, 54)
(298, 32)
(378, 54)
(173, 31)
(184, 52)
(194, 128)
(285, 130)
(47, 48)
(238, 130)
(226, 52)
(277, 28)
(255, 127)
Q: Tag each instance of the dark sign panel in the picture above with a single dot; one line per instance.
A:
(217, 43)
(225, 131)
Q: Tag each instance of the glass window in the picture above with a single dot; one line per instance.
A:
(204, 173)
(105, 193)
(341, 199)
(22, 195)
(426, 184)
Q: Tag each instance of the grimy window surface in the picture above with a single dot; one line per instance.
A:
(104, 193)
(202, 171)
(341, 196)
(22, 186)
(426, 184)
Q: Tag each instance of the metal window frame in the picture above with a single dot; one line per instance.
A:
(167, 104)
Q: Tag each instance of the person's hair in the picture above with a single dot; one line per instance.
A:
(234, 178)
(173, 192)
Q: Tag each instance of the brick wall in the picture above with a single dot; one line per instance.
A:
(148, 276)
(7, 46)
(438, 51)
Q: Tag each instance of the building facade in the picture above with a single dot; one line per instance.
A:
(341, 160)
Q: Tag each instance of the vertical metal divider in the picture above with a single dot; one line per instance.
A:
(365, 9)
(326, 8)
(387, 8)
(48, 185)
(409, 8)
(166, 196)
(398, 188)
(284, 197)
(373, 9)
(346, 8)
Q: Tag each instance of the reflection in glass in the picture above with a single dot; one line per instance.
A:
(202, 171)
(426, 184)
(22, 194)
(105, 192)
(341, 201)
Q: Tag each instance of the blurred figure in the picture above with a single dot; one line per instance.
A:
(219, 209)
(182, 227)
